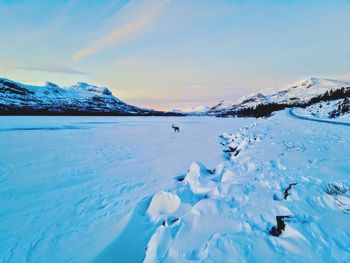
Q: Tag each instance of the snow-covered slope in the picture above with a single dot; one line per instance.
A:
(81, 98)
(299, 92)
(337, 109)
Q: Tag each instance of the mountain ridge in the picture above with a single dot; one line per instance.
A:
(79, 99)
(300, 92)
(86, 99)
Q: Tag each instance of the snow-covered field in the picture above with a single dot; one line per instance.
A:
(116, 189)
(67, 183)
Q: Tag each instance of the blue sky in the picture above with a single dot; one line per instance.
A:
(174, 53)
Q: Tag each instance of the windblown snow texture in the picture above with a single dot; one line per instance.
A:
(69, 184)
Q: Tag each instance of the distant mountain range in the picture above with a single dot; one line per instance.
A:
(300, 94)
(51, 99)
(86, 99)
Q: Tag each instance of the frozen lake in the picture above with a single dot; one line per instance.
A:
(67, 182)
(103, 189)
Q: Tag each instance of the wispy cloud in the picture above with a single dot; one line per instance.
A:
(121, 33)
(54, 69)
(51, 69)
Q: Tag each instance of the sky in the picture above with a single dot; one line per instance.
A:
(174, 54)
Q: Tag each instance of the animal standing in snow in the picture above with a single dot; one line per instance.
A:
(176, 128)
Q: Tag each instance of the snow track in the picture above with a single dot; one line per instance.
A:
(295, 114)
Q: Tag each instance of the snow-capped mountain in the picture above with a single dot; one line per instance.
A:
(300, 92)
(198, 110)
(177, 111)
(306, 89)
(79, 99)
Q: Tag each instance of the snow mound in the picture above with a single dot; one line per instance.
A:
(162, 204)
(194, 176)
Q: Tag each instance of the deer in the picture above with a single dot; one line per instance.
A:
(176, 128)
